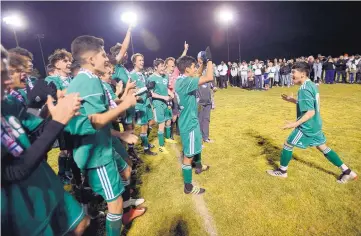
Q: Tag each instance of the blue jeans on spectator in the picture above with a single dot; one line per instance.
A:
(341, 73)
(258, 81)
(286, 80)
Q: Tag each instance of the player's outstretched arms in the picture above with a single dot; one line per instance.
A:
(99, 120)
(186, 46)
(125, 46)
(157, 96)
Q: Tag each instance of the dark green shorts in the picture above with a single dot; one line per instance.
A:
(298, 139)
(144, 115)
(129, 116)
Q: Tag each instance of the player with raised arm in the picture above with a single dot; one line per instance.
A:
(185, 91)
(308, 127)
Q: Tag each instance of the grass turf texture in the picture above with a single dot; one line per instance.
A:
(240, 196)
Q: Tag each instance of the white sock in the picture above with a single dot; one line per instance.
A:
(284, 168)
(343, 167)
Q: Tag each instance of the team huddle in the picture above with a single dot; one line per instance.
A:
(83, 101)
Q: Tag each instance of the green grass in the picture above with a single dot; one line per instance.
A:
(241, 197)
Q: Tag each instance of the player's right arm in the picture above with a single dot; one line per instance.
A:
(125, 46)
(186, 46)
(289, 98)
(99, 120)
(208, 77)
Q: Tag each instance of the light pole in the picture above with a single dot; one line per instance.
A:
(226, 17)
(41, 36)
(130, 18)
(15, 22)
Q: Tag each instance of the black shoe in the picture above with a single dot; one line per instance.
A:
(200, 170)
(150, 153)
(151, 145)
(132, 153)
(195, 190)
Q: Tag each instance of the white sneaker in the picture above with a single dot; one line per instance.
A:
(344, 178)
(133, 202)
(277, 173)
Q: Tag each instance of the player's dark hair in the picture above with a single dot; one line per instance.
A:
(157, 62)
(169, 59)
(134, 57)
(185, 62)
(115, 49)
(50, 68)
(84, 44)
(302, 67)
(22, 51)
(58, 55)
(75, 66)
(17, 61)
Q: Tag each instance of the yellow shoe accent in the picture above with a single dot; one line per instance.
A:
(163, 150)
(170, 141)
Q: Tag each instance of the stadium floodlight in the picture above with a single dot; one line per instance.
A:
(14, 21)
(225, 16)
(129, 18)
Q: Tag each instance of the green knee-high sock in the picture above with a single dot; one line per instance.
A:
(149, 130)
(187, 173)
(113, 225)
(198, 160)
(161, 138)
(167, 132)
(286, 156)
(332, 157)
(144, 138)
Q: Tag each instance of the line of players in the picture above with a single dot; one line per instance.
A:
(92, 138)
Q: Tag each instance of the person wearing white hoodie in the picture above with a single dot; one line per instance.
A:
(234, 75)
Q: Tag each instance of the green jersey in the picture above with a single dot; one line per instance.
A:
(161, 86)
(26, 205)
(185, 91)
(121, 74)
(309, 100)
(140, 80)
(60, 83)
(92, 148)
(20, 95)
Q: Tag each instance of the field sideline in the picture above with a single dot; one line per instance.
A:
(240, 198)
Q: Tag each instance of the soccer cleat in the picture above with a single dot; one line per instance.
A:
(131, 152)
(132, 214)
(163, 150)
(209, 141)
(133, 202)
(195, 190)
(149, 152)
(64, 179)
(200, 170)
(347, 176)
(151, 146)
(277, 173)
(168, 140)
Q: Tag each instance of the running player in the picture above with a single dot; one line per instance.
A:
(185, 89)
(308, 127)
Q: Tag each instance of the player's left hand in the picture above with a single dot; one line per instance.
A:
(128, 137)
(290, 125)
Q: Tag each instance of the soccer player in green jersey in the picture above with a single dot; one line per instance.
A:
(143, 109)
(28, 56)
(161, 95)
(93, 149)
(33, 199)
(17, 68)
(61, 61)
(308, 127)
(185, 91)
(120, 57)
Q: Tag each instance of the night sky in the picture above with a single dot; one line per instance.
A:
(265, 29)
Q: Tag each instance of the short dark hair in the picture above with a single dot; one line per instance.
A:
(301, 66)
(134, 57)
(157, 62)
(58, 55)
(75, 65)
(50, 68)
(83, 44)
(22, 51)
(169, 59)
(185, 62)
(17, 61)
(115, 49)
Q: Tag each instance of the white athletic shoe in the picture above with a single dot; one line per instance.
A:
(277, 173)
(344, 178)
(133, 202)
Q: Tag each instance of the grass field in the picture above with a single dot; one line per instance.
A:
(241, 199)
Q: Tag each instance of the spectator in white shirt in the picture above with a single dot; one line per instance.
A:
(243, 73)
(257, 74)
(223, 69)
(271, 73)
(234, 75)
